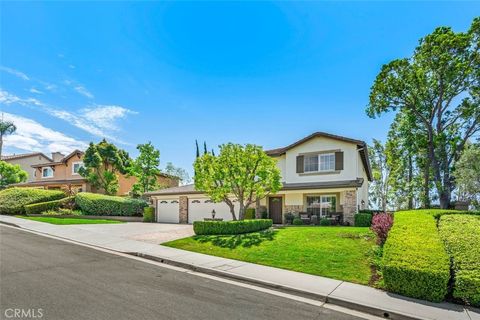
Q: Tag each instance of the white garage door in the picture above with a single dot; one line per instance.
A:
(198, 209)
(167, 211)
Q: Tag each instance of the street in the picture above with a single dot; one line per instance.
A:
(53, 279)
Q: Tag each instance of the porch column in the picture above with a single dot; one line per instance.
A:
(183, 209)
(349, 206)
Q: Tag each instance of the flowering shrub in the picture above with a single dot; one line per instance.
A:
(381, 224)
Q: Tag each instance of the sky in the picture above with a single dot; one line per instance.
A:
(267, 73)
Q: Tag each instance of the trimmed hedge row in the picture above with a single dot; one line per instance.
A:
(415, 262)
(461, 234)
(102, 205)
(148, 214)
(230, 227)
(14, 200)
(363, 220)
(40, 207)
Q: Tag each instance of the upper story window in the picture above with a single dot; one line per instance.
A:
(319, 162)
(76, 166)
(47, 172)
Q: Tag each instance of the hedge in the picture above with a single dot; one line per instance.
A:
(102, 205)
(415, 262)
(461, 234)
(230, 227)
(250, 213)
(40, 207)
(363, 220)
(14, 200)
(148, 214)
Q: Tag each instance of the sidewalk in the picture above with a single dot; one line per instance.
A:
(352, 296)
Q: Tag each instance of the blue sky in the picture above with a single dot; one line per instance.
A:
(267, 73)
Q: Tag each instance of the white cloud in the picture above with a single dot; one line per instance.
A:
(14, 72)
(36, 91)
(83, 91)
(33, 136)
(105, 117)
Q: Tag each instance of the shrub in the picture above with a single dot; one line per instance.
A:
(102, 205)
(264, 215)
(363, 220)
(325, 222)
(289, 216)
(461, 234)
(13, 200)
(38, 208)
(148, 214)
(415, 262)
(381, 224)
(367, 211)
(62, 212)
(249, 214)
(230, 227)
(297, 221)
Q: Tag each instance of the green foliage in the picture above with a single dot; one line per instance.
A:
(103, 205)
(415, 263)
(145, 169)
(38, 208)
(379, 189)
(62, 212)
(10, 174)
(327, 222)
(177, 172)
(363, 220)
(250, 213)
(289, 216)
(467, 175)
(102, 163)
(297, 221)
(6, 127)
(245, 172)
(68, 221)
(230, 227)
(461, 234)
(148, 214)
(14, 200)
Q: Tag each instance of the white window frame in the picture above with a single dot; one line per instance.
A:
(47, 168)
(73, 167)
(323, 213)
(319, 168)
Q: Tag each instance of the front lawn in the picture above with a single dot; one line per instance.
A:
(343, 253)
(64, 221)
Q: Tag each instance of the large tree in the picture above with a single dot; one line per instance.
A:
(243, 173)
(102, 164)
(145, 169)
(439, 85)
(467, 176)
(6, 127)
(380, 187)
(178, 172)
(10, 174)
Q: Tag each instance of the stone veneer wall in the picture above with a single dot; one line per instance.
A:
(349, 206)
(293, 208)
(183, 209)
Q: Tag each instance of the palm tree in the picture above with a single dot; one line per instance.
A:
(6, 127)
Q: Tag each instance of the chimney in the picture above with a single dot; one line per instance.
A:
(57, 156)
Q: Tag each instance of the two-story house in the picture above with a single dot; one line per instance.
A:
(322, 174)
(26, 161)
(61, 172)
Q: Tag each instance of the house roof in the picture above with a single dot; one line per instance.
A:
(190, 188)
(49, 182)
(361, 146)
(25, 155)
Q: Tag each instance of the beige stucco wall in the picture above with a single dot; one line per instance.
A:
(27, 162)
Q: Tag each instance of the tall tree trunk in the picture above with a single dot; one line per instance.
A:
(232, 211)
(1, 145)
(426, 185)
(241, 212)
(410, 178)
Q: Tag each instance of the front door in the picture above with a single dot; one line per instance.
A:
(275, 209)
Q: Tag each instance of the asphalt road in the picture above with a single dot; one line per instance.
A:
(53, 279)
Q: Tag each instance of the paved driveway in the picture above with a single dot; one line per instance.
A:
(148, 232)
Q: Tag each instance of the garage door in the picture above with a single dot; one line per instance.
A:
(198, 209)
(167, 211)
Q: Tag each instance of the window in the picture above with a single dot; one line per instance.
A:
(76, 166)
(47, 172)
(319, 162)
(321, 206)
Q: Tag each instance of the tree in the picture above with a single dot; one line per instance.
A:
(467, 176)
(145, 169)
(178, 172)
(6, 127)
(439, 86)
(102, 163)
(11, 173)
(245, 173)
(379, 188)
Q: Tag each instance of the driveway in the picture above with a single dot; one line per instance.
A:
(148, 232)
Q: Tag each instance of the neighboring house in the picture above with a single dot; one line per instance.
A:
(26, 161)
(62, 171)
(322, 174)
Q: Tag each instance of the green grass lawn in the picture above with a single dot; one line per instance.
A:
(64, 221)
(343, 253)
